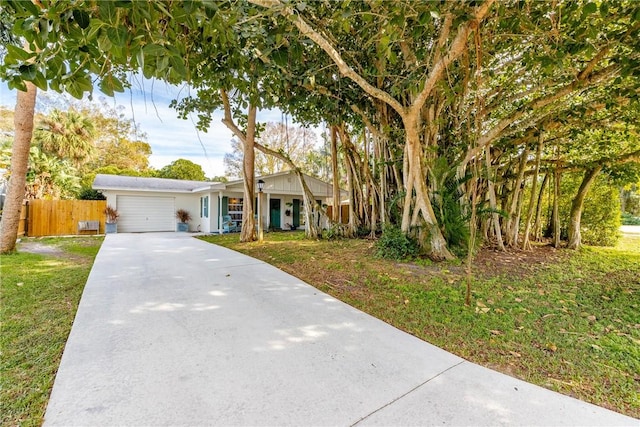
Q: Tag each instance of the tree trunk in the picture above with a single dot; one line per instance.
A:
(23, 122)
(577, 204)
(537, 225)
(247, 138)
(513, 221)
(437, 244)
(526, 244)
(555, 221)
(248, 233)
(336, 214)
(493, 203)
(353, 167)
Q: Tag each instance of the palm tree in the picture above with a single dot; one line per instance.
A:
(68, 135)
(23, 120)
(48, 177)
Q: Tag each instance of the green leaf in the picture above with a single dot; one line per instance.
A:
(384, 43)
(147, 72)
(104, 43)
(140, 59)
(280, 57)
(84, 83)
(43, 29)
(589, 8)
(106, 87)
(28, 72)
(19, 54)
(163, 63)
(17, 84)
(107, 11)
(40, 81)
(604, 9)
(177, 64)
(82, 18)
(118, 36)
(154, 50)
(72, 89)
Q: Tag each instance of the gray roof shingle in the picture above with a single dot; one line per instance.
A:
(119, 182)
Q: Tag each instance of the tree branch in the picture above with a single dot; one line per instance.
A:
(228, 118)
(535, 104)
(325, 45)
(458, 46)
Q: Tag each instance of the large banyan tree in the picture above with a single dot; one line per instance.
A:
(442, 116)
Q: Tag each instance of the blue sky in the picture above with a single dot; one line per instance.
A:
(170, 138)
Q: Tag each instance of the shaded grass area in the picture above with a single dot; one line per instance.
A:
(41, 286)
(565, 320)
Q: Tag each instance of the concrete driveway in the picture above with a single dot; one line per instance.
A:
(175, 331)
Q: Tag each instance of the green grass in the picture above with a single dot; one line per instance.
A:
(566, 320)
(40, 294)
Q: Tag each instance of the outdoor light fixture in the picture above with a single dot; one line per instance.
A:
(260, 232)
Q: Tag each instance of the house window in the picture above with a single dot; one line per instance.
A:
(235, 209)
(204, 207)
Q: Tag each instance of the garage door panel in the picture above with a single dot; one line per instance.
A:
(145, 214)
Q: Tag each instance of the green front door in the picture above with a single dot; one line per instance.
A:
(274, 213)
(296, 213)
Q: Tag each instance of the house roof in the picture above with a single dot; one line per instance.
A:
(119, 182)
(136, 183)
(308, 178)
(273, 175)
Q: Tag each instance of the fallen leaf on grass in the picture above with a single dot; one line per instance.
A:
(515, 353)
(552, 347)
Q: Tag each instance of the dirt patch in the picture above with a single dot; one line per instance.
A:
(517, 263)
(40, 248)
(488, 263)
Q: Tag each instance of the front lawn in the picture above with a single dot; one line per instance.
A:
(41, 288)
(568, 321)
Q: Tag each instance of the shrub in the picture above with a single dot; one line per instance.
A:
(394, 244)
(90, 194)
(600, 222)
(628, 219)
(333, 233)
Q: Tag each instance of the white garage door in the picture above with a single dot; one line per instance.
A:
(141, 213)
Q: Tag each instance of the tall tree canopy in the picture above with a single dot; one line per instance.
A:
(182, 169)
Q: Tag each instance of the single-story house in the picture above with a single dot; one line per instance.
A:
(150, 204)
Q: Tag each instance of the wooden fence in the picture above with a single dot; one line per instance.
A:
(60, 217)
(22, 225)
(344, 213)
